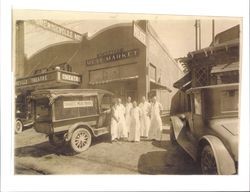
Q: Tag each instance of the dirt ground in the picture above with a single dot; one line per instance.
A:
(35, 155)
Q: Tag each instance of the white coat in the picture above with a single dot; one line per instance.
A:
(145, 119)
(128, 107)
(134, 134)
(156, 123)
(114, 123)
(122, 127)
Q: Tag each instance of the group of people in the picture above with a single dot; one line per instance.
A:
(132, 121)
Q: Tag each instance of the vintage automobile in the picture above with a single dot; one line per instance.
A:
(24, 118)
(205, 123)
(72, 116)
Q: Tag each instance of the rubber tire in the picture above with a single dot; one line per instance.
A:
(208, 168)
(20, 124)
(76, 145)
(172, 136)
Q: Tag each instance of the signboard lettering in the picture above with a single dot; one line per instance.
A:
(74, 104)
(113, 56)
(69, 77)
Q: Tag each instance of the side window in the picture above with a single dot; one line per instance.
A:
(106, 102)
(229, 101)
(197, 103)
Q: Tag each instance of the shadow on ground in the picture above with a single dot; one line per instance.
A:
(173, 161)
(45, 148)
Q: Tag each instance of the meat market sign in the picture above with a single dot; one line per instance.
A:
(113, 55)
(48, 78)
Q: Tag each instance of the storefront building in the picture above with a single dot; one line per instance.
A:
(127, 59)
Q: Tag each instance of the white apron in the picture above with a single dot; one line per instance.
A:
(128, 107)
(134, 134)
(156, 123)
(145, 120)
(114, 124)
(122, 128)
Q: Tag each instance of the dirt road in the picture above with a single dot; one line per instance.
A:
(34, 155)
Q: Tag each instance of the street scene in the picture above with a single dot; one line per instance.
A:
(126, 96)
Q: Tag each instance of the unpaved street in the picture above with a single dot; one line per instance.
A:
(34, 155)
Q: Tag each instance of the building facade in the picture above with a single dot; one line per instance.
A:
(127, 59)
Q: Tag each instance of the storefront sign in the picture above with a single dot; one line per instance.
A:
(139, 34)
(113, 56)
(74, 104)
(69, 77)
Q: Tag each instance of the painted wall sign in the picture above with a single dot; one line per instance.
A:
(75, 104)
(139, 34)
(112, 56)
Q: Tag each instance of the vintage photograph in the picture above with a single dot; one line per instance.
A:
(126, 94)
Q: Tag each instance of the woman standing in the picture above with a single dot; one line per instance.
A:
(114, 122)
(135, 113)
(122, 128)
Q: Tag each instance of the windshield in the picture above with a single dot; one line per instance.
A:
(43, 110)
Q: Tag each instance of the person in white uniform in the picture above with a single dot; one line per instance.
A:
(122, 128)
(155, 128)
(114, 122)
(145, 119)
(128, 107)
(135, 113)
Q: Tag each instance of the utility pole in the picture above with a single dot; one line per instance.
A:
(213, 32)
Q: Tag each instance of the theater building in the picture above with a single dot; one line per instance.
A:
(127, 59)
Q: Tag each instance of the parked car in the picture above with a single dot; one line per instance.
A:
(24, 114)
(205, 123)
(72, 116)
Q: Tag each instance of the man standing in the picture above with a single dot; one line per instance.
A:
(145, 120)
(122, 128)
(156, 123)
(134, 134)
(128, 108)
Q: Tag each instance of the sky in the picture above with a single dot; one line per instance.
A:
(178, 35)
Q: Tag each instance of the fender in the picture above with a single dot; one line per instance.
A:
(224, 161)
(72, 128)
(178, 125)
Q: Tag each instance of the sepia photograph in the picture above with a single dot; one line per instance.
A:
(125, 94)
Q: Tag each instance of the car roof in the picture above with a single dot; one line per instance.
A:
(69, 92)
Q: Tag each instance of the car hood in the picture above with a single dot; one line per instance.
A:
(231, 125)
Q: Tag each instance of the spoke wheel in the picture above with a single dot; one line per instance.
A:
(80, 140)
(208, 163)
(19, 126)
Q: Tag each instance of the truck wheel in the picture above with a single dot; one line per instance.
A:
(19, 126)
(80, 140)
(172, 136)
(208, 163)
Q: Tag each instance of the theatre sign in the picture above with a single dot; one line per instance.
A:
(55, 78)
